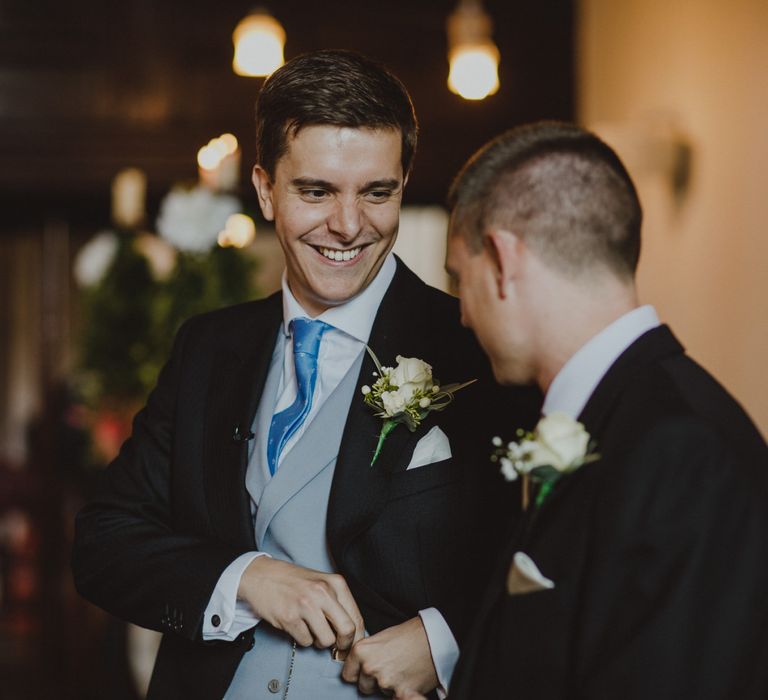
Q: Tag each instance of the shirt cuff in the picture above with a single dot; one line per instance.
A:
(225, 616)
(442, 646)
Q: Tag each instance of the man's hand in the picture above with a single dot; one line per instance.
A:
(396, 660)
(311, 606)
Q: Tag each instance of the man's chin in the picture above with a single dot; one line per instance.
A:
(338, 298)
(511, 376)
(338, 294)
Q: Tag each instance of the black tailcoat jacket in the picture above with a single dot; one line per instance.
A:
(658, 552)
(174, 512)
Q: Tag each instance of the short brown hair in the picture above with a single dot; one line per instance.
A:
(335, 88)
(557, 186)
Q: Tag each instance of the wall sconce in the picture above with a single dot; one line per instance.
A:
(653, 145)
(259, 40)
(473, 57)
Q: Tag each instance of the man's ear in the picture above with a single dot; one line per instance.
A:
(505, 249)
(263, 184)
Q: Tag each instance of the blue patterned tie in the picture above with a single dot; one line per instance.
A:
(306, 344)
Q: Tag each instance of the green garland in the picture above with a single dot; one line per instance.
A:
(129, 319)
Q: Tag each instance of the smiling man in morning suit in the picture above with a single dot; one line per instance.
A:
(243, 518)
(643, 573)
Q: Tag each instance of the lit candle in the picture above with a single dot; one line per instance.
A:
(129, 189)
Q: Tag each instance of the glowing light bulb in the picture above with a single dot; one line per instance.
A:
(473, 57)
(207, 158)
(219, 163)
(259, 40)
(229, 141)
(474, 72)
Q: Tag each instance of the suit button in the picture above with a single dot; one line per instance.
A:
(273, 686)
(215, 620)
(251, 643)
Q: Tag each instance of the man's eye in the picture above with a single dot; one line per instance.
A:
(379, 195)
(314, 194)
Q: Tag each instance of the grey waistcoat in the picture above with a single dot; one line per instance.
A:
(290, 525)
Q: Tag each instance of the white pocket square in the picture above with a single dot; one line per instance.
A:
(524, 576)
(433, 447)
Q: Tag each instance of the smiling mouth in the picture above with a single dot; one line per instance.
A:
(339, 255)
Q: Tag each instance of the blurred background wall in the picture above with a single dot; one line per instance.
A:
(679, 88)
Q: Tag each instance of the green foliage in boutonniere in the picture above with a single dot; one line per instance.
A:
(558, 445)
(406, 394)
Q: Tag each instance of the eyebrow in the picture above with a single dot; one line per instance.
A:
(314, 182)
(385, 184)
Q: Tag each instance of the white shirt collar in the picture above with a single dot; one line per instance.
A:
(355, 317)
(579, 376)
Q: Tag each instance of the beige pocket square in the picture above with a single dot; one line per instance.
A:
(524, 576)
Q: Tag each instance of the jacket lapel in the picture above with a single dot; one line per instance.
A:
(236, 383)
(359, 490)
(651, 347)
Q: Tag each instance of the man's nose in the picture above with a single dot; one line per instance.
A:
(346, 219)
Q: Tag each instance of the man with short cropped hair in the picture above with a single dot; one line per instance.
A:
(247, 517)
(639, 569)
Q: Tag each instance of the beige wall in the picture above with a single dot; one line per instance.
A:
(655, 72)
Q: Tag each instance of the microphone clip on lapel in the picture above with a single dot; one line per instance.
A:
(240, 434)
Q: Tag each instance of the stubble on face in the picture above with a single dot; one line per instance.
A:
(335, 201)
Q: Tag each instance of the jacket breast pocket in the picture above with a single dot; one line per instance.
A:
(425, 478)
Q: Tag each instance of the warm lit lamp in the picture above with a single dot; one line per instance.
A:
(218, 163)
(239, 232)
(473, 57)
(259, 40)
(129, 189)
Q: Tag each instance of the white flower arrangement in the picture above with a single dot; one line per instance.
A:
(406, 394)
(558, 445)
(95, 258)
(191, 219)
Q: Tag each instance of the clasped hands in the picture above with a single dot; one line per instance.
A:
(316, 608)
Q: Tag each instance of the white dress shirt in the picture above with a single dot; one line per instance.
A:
(579, 376)
(339, 348)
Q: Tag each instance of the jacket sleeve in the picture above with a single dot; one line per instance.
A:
(128, 556)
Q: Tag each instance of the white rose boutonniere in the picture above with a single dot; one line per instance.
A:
(406, 394)
(558, 445)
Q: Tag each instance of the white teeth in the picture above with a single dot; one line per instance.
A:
(339, 255)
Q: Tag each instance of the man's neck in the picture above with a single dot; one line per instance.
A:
(354, 317)
(571, 388)
(576, 315)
